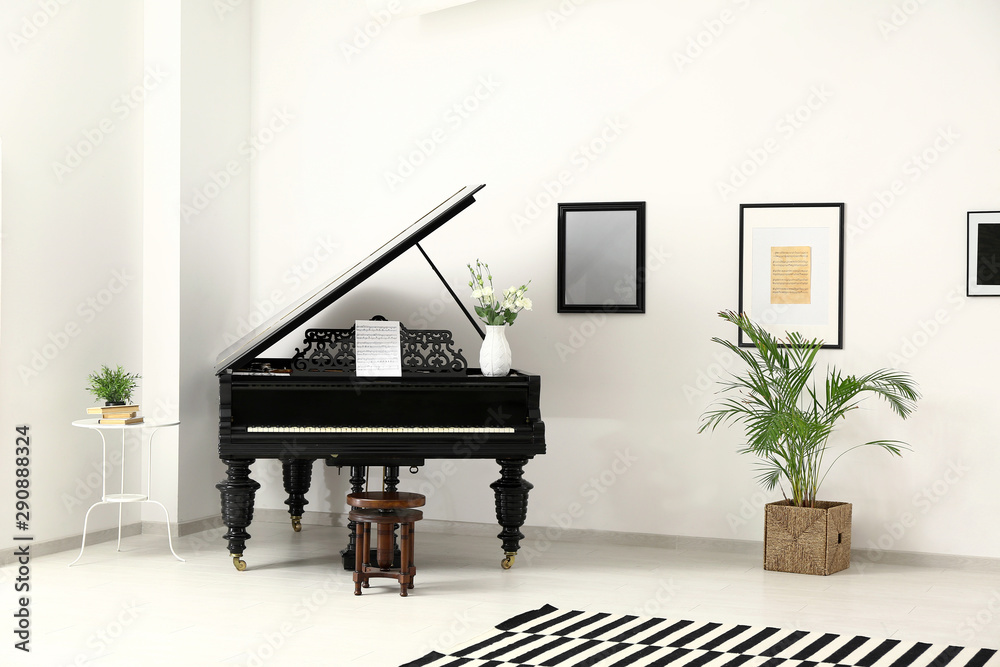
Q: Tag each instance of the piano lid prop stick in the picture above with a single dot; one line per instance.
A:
(454, 296)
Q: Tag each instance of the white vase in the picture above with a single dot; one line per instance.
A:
(494, 356)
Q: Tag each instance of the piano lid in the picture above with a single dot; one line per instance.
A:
(273, 330)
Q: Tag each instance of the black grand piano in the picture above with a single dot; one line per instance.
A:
(314, 406)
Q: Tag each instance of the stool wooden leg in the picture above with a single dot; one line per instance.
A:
(366, 550)
(359, 559)
(406, 531)
(413, 550)
(385, 547)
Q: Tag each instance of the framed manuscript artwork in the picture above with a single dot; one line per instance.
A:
(792, 270)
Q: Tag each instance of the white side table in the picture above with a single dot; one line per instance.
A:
(121, 497)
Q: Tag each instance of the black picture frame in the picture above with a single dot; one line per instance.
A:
(778, 243)
(602, 257)
(983, 254)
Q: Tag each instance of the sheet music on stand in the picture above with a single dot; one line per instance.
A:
(376, 348)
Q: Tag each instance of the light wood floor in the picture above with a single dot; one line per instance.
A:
(295, 606)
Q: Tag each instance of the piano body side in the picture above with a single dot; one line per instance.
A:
(346, 419)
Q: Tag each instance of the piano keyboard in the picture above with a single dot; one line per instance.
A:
(380, 429)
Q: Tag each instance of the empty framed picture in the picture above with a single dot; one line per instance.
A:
(601, 263)
(983, 265)
(792, 270)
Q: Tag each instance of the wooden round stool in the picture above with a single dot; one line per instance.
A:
(385, 509)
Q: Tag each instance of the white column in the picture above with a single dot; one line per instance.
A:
(161, 246)
(214, 231)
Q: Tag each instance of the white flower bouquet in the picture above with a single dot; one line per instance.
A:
(494, 311)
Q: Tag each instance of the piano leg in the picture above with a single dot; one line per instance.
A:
(357, 486)
(237, 506)
(511, 492)
(390, 478)
(296, 474)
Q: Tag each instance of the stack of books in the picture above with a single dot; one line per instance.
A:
(116, 414)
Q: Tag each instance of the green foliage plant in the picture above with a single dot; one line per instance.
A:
(787, 421)
(114, 386)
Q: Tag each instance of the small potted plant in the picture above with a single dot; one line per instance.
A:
(114, 386)
(788, 422)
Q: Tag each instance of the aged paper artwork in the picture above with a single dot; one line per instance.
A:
(791, 267)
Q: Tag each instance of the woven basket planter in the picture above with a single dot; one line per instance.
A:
(807, 540)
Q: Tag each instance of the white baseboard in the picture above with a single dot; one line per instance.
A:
(8, 556)
(180, 530)
(534, 535)
(538, 534)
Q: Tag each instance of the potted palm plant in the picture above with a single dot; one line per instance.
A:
(787, 422)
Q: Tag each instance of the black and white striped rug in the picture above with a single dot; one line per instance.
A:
(549, 636)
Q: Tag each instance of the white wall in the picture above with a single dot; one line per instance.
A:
(673, 97)
(72, 291)
(329, 122)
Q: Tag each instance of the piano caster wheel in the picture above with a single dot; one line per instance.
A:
(508, 560)
(297, 524)
(239, 563)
